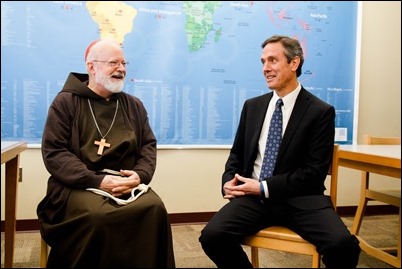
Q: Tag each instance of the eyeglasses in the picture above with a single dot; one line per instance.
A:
(112, 63)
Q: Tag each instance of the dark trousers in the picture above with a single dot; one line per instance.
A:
(321, 225)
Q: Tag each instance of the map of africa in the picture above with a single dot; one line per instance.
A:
(192, 63)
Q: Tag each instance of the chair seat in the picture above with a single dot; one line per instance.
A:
(280, 238)
(390, 192)
(280, 233)
(389, 196)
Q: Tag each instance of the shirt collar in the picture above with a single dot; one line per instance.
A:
(289, 99)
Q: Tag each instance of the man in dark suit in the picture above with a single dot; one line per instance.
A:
(293, 196)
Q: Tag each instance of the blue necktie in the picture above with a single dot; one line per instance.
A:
(273, 141)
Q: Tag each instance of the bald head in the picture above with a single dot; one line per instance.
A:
(98, 49)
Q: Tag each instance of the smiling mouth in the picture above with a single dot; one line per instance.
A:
(119, 76)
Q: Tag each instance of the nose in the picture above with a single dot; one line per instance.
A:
(121, 66)
(266, 65)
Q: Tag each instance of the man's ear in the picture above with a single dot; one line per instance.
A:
(295, 63)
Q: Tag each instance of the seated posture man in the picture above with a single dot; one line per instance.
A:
(276, 169)
(92, 126)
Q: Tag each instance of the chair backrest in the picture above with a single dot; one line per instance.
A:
(376, 140)
(333, 172)
(381, 140)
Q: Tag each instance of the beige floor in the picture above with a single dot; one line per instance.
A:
(188, 253)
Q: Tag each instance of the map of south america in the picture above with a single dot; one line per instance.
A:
(114, 19)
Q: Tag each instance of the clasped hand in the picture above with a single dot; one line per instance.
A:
(234, 188)
(119, 185)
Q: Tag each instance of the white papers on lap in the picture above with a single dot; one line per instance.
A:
(141, 189)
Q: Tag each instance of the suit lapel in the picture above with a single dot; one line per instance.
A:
(258, 113)
(261, 107)
(301, 105)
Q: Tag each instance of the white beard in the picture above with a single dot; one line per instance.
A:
(109, 84)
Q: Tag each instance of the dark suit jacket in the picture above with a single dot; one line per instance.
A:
(304, 155)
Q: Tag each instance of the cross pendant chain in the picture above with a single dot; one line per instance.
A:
(102, 144)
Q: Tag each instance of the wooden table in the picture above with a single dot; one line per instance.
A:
(378, 159)
(10, 152)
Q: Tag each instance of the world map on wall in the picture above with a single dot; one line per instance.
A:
(192, 63)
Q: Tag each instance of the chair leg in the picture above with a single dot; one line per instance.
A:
(316, 260)
(398, 253)
(361, 207)
(43, 253)
(357, 221)
(254, 257)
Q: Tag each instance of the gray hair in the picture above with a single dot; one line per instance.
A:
(292, 49)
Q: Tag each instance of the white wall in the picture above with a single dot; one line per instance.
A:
(188, 180)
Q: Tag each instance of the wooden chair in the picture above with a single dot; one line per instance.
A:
(284, 239)
(44, 251)
(388, 196)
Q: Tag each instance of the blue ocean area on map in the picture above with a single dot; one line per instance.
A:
(192, 63)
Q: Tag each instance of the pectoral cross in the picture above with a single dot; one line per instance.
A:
(102, 144)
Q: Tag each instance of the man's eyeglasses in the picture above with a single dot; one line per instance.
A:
(112, 63)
